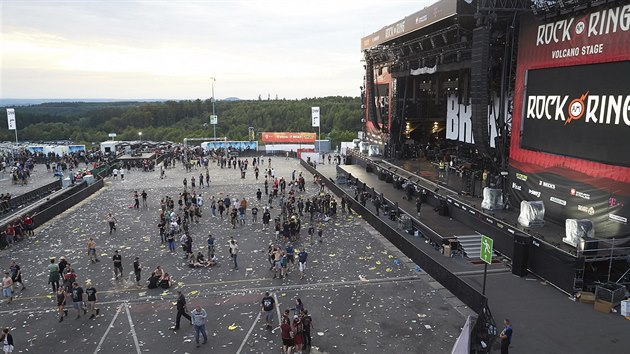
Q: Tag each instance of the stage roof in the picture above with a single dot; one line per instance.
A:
(429, 15)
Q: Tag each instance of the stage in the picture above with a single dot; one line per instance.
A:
(544, 253)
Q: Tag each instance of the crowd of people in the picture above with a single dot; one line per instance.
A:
(181, 217)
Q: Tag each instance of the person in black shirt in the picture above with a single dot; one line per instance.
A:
(268, 304)
(259, 195)
(181, 310)
(118, 268)
(144, 198)
(137, 270)
(90, 293)
(77, 299)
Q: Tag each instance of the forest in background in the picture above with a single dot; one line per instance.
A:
(88, 123)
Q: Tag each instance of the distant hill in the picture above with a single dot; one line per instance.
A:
(10, 102)
(230, 99)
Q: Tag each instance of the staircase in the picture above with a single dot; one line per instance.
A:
(471, 245)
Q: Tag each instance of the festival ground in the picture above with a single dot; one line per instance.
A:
(364, 296)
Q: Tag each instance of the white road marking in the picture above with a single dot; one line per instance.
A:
(111, 324)
(249, 333)
(133, 330)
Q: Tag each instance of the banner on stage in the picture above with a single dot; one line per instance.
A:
(315, 116)
(11, 118)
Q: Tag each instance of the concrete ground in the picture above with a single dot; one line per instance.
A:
(364, 296)
(544, 319)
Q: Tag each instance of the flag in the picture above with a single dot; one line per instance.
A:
(315, 116)
(11, 118)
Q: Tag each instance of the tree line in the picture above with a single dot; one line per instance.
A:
(88, 123)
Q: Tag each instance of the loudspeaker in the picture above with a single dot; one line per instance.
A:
(520, 258)
(370, 91)
(348, 160)
(479, 87)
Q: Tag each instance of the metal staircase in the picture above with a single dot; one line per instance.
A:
(470, 245)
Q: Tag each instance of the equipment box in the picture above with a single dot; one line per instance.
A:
(603, 306)
(625, 308)
(587, 297)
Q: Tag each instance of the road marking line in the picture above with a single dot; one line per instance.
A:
(100, 343)
(300, 287)
(249, 333)
(133, 330)
(275, 296)
(117, 291)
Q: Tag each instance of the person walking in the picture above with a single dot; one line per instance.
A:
(198, 316)
(77, 299)
(111, 220)
(181, 310)
(210, 245)
(506, 337)
(144, 198)
(137, 270)
(53, 274)
(136, 200)
(118, 268)
(61, 303)
(7, 341)
(268, 305)
(91, 250)
(16, 275)
(302, 258)
(234, 253)
(91, 298)
(7, 287)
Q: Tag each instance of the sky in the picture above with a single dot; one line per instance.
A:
(124, 49)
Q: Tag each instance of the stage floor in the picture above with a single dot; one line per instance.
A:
(551, 233)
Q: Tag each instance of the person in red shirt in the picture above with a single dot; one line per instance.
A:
(287, 339)
(10, 232)
(28, 224)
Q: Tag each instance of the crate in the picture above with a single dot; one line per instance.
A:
(610, 292)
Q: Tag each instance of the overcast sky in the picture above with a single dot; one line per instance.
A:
(170, 49)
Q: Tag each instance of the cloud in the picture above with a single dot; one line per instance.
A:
(166, 49)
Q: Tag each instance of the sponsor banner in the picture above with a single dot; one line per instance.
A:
(573, 199)
(11, 118)
(558, 201)
(315, 116)
(577, 193)
(286, 137)
(423, 18)
(565, 114)
(231, 145)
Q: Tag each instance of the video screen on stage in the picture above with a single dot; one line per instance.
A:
(580, 111)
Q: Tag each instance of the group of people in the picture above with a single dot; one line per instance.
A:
(17, 230)
(295, 335)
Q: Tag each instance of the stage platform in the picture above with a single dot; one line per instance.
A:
(550, 232)
(545, 256)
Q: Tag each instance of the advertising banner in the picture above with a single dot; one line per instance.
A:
(231, 145)
(579, 197)
(315, 116)
(429, 15)
(11, 118)
(568, 128)
(287, 137)
(566, 114)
